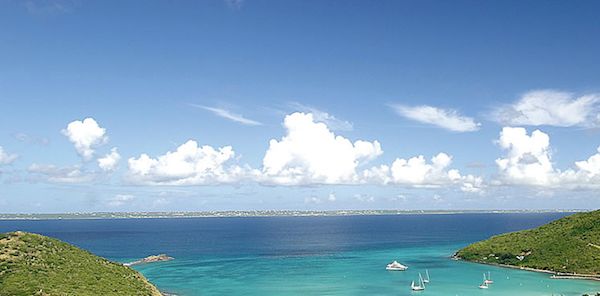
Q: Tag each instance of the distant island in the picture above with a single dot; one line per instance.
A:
(568, 248)
(32, 264)
(261, 213)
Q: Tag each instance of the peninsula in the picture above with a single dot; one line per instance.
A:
(568, 248)
(32, 264)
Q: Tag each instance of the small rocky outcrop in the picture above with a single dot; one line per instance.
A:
(150, 259)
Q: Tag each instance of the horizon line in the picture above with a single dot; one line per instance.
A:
(262, 213)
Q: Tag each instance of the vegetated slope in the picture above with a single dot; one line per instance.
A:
(568, 245)
(32, 264)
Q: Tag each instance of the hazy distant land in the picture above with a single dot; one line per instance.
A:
(259, 213)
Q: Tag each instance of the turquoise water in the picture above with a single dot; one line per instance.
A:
(352, 273)
(310, 255)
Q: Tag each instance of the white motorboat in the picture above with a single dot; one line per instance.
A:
(396, 266)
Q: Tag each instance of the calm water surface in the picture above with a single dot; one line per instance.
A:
(310, 255)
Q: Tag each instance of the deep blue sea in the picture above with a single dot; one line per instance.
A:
(310, 255)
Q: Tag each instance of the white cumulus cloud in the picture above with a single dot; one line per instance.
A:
(554, 108)
(444, 118)
(189, 164)
(472, 184)
(109, 162)
(85, 135)
(528, 161)
(418, 172)
(332, 122)
(591, 166)
(6, 158)
(586, 173)
(310, 153)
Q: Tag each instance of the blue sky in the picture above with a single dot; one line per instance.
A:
(472, 80)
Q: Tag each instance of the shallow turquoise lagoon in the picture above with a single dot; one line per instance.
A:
(352, 273)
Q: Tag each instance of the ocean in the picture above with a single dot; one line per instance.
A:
(310, 255)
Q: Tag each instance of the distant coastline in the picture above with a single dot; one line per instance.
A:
(261, 213)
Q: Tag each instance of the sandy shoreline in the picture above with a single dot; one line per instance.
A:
(554, 274)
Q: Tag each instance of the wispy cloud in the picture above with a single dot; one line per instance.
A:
(331, 121)
(45, 7)
(120, 199)
(55, 174)
(448, 119)
(234, 4)
(228, 115)
(550, 107)
(364, 198)
(28, 139)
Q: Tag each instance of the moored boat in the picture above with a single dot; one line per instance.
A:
(396, 266)
(426, 279)
(420, 286)
(484, 285)
(488, 280)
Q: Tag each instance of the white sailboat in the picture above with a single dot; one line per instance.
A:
(484, 285)
(426, 279)
(419, 287)
(395, 266)
(488, 280)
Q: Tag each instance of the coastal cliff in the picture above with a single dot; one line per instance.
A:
(567, 247)
(32, 264)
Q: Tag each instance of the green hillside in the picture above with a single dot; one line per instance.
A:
(570, 245)
(32, 264)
